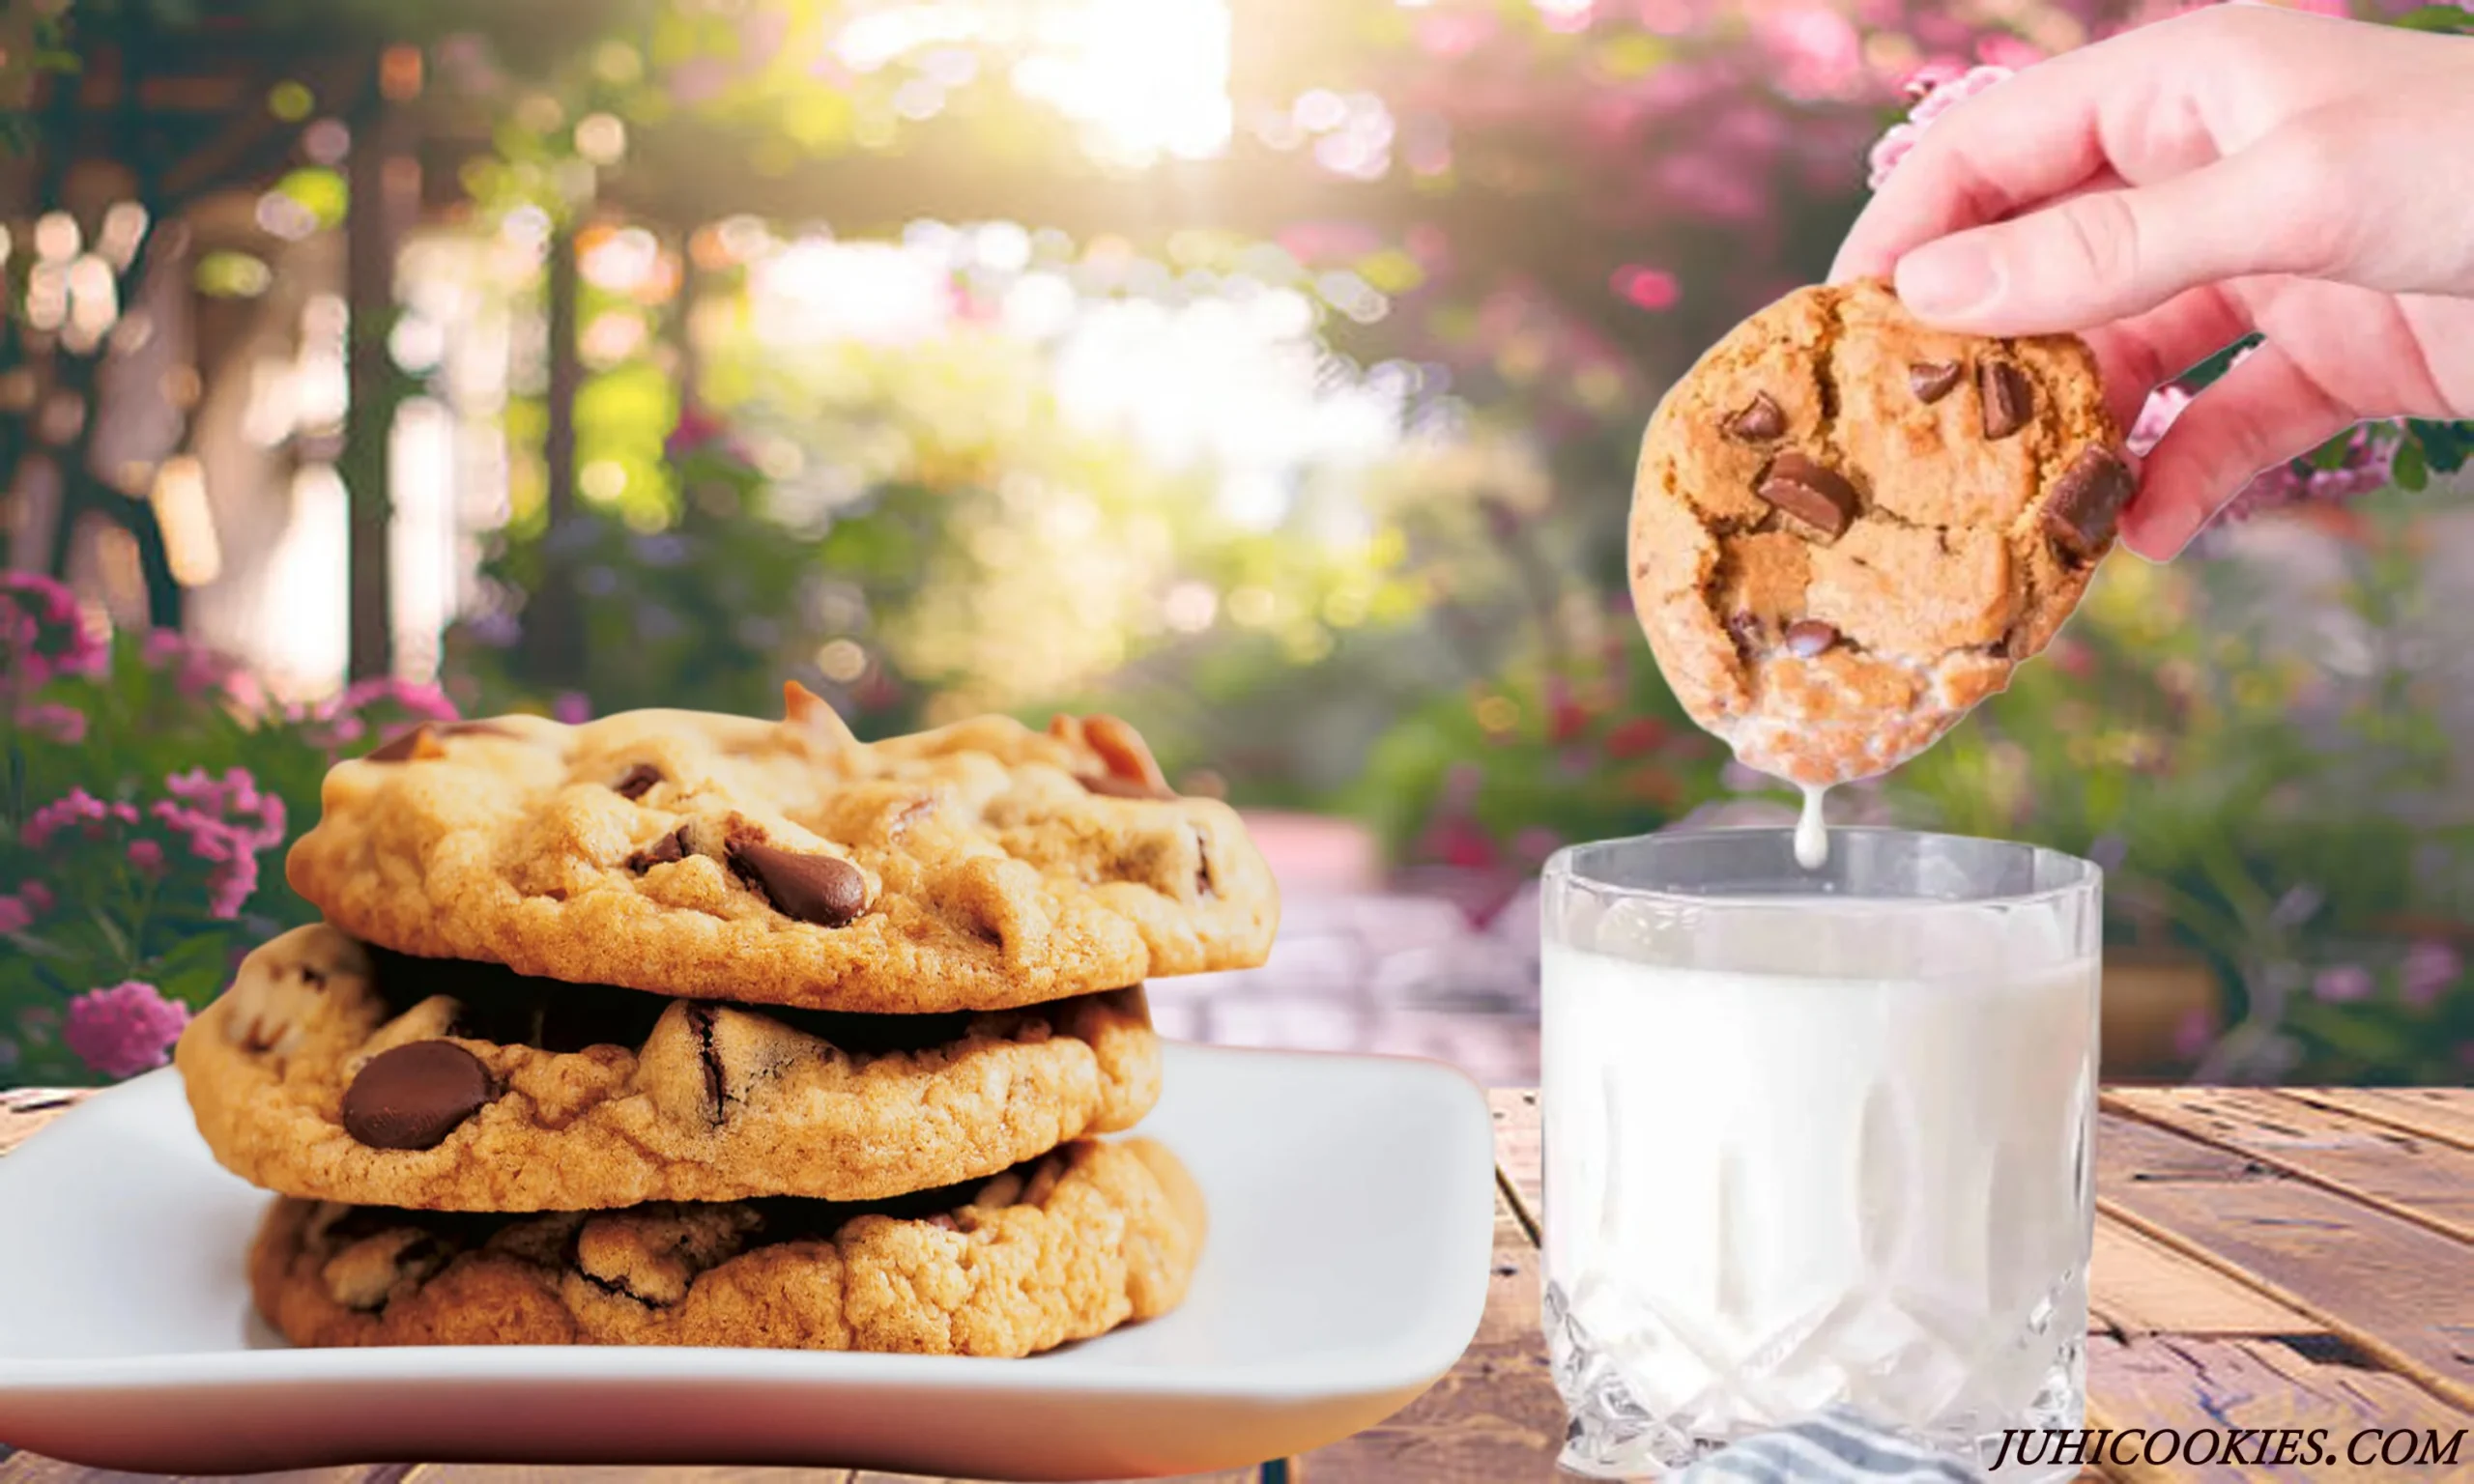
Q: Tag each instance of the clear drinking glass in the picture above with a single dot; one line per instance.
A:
(1815, 1138)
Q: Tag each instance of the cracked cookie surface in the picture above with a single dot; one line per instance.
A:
(333, 1071)
(1062, 1248)
(1848, 530)
(975, 867)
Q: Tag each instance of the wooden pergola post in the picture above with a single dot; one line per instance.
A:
(383, 171)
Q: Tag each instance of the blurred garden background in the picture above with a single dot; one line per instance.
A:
(1268, 372)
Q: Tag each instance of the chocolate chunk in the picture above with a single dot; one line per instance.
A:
(700, 1021)
(411, 746)
(1932, 380)
(638, 782)
(1745, 629)
(1807, 638)
(415, 1095)
(2007, 397)
(1811, 492)
(1760, 422)
(671, 847)
(1115, 787)
(2087, 502)
(822, 889)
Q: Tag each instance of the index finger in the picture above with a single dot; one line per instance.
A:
(2122, 106)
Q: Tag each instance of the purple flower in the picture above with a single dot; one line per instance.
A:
(425, 701)
(573, 707)
(1936, 94)
(2345, 983)
(2431, 966)
(494, 629)
(196, 670)
(61, 724)
(224, 822)
(2194, 1033)
(124, 1030)
(43, 633)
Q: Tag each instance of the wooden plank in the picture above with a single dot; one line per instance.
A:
(2203, 1389)
(541, 1474)
(25, 1109)
(2442, 1113)
(1495, 1419)
(870, 1476)
(2399, 1292)
(2403, 1174)
(2138, 1287)
(30, 1469)
(1518, 1157)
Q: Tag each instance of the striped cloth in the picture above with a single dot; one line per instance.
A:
(1838, 1446)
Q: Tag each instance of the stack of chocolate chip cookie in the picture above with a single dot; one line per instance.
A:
(679, 1028)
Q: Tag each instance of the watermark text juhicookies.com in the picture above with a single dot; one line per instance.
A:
(2397, 1448)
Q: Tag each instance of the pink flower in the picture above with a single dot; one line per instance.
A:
(61, 724)
(2431, 966)
(124, 1030)
(37, 896)
(77, 807)
(2194, 1033)
(146, 855)
(573, 707)
(1650, 288)
(2345, 984)
(1935, 93)
(426, 701)
(43, 633)
(14, 914)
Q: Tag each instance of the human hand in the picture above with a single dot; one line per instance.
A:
(2167, 192)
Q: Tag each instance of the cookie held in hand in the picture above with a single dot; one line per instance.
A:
(1849, 528)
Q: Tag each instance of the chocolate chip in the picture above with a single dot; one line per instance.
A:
(1115, 787)
(822, 889)
(411, 746)
(671, 847)
(1760, 422)
(2087, 502)
(699, 1021)
(1932, 380)
(638, 782)
(415, 1095)
(1205, 887)
(1807, 638)
(1811, 492)
(2007, 397)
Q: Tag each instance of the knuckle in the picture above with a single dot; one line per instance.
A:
(2098, 237)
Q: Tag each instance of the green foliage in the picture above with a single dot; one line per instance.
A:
(146, 802)
(2156, 736)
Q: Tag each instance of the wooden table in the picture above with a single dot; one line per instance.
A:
(2299, 1258)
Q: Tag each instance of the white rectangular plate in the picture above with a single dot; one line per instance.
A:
(1352, 1202)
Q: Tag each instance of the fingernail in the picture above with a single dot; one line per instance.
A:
(1948, 279)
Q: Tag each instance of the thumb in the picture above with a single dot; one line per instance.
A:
(2105, 255)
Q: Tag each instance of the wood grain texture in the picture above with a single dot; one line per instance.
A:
(1519, 1155)
(2398, 1292)
(2138, 1286)
(2406, 1175)
(25, 1109)
(2206, 1386)
(27, 1469)
(2442, 1113)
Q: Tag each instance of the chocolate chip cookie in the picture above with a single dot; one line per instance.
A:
(1847, 529)
(1062, 1248)
(976, 867)
(337, 1071)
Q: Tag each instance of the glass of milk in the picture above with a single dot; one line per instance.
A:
(1815, 1138)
